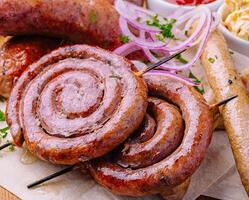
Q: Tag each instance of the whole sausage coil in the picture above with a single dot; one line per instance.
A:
(166, 150)
(17, 54)
(75, 104)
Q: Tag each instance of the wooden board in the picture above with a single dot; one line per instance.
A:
(6, 195)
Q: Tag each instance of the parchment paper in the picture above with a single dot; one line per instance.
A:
(217, 176)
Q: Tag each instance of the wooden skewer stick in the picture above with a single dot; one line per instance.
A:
(224, 102)
(5, 145)
(153, 66)
(52, 176)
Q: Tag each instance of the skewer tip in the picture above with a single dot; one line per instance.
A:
(5, 145)
(224, 102)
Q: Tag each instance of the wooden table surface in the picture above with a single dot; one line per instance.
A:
(5, 195)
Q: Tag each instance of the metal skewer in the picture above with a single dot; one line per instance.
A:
(162, 61)
(224, 102)
(52, 176)
(5, 145)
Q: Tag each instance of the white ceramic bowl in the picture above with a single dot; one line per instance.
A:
(234, 42)
(163, 7)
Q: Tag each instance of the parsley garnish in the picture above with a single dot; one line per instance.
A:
(2, 116)
(124, 39)
(11, 147)
(200, 90)
(160, 37)
(181, 59)
(93, 17)
(154, 21)
(211, 60)
(166, 29)
(4, 132)
(196, 80)
(192, 76)
(186, 33)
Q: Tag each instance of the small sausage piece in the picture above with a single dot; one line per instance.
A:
(164, 168)
(225, 83)
(75, 104)
(17, 54)
(93, 22)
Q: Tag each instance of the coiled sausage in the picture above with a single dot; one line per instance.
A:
(75, 104)
(153, 163)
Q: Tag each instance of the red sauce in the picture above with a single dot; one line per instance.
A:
(191, 2)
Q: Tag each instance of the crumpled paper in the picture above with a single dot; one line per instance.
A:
(216, 177)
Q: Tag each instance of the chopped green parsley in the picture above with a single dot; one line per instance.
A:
(124, 39)
(2, 116)
(211, 60)
(181, 59)
(11, 147)
(186, 33)
(196, 80)
(93, 17)
(4, 132)
(166, 28)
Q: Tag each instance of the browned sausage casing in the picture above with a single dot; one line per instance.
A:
(17, 54)
(75, 104)
(161, 156)
(82, 21)
(225, 83)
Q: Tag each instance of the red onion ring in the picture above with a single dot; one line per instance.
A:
(145, 38)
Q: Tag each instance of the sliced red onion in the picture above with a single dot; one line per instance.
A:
(127, 49)
(200, 49)
(145, 37)
(121, 7)
(126, 31)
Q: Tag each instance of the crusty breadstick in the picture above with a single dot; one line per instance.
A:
(225, 83)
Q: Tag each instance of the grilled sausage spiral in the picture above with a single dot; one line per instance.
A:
(161, 155)
(75, 104)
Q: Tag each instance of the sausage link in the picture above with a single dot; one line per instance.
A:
(17, 54)
(128, 177)
(75, 104)
(225, 83)
(92, 22)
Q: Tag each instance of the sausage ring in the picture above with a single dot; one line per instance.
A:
(160, 155)
(75, 104)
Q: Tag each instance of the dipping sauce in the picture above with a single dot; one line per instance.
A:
(190, 2)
